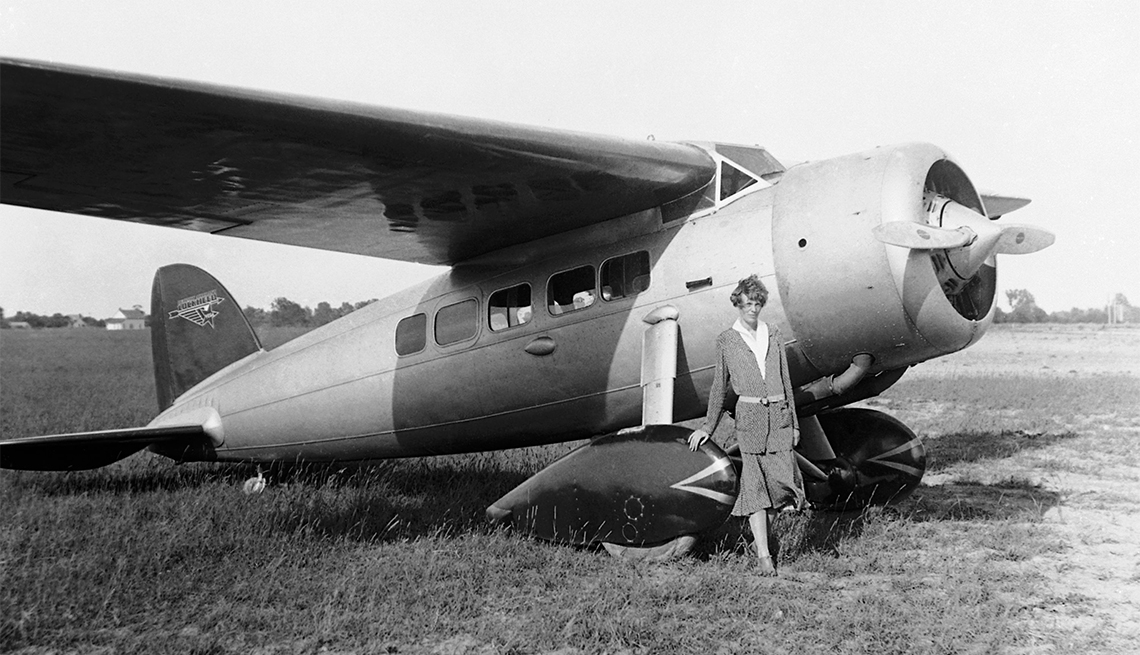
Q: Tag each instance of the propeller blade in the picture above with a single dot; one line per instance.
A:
(917, 236)
(998, 205)
(1019, 239)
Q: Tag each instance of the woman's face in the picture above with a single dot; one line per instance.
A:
(749, 311)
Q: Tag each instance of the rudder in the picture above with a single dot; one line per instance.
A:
(197, 329)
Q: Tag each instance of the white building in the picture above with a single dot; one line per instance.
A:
(128, 319)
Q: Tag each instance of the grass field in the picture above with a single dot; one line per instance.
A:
(1021, 539)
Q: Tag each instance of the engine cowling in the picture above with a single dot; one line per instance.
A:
(846, 290)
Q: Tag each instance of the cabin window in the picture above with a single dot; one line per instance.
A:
(456, 322)
(571, 290)
(624, 276)
(509, 307)
(411, 334)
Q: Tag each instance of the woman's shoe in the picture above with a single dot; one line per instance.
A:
(767, 568)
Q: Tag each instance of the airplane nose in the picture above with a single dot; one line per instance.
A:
(898, 242)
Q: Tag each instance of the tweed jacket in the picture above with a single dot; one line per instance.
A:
(759, 429)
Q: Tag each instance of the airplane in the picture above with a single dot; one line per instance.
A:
(588, 278)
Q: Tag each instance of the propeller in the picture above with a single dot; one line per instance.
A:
(969, 238)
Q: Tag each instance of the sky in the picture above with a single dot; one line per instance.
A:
(1032, 99)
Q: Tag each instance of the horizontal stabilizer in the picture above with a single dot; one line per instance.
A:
(917, 236)
(88, 450)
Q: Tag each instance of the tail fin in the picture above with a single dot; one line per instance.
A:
(197, 329)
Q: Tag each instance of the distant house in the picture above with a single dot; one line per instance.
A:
(19, 325)
(128, 319)
(76, 321)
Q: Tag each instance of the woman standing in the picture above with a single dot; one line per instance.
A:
(751, 361)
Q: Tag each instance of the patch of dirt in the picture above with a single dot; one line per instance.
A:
(1100, 521)
(1094, 579)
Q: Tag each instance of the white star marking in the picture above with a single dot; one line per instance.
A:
(881, 460)
(715, 467)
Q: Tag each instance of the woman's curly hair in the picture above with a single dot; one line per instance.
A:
(750, 288)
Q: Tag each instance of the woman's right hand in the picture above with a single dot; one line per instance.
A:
(697, 438)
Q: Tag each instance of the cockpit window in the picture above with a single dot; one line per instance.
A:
(755, 161)
(733, 180)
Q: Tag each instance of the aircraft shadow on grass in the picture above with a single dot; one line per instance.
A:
(976, 446)
(416, 498)
(825, 531)
(393, 500)
(1012, 498)
(401, 499)
(385, 500)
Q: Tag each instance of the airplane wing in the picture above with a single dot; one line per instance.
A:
(338, 176)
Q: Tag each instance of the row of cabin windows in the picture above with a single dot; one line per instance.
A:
(568, 291)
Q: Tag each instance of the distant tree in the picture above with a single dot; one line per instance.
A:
(255, 315)
(1094, 315)
(1071, 316)
(363, 303)
(56, 320)
(94, 322)
(1024, 307)
(1075, 315)
(324, 313)
(1018, 297)
(285, 312)
(3, 323)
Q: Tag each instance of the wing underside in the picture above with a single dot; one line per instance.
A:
(333, 175)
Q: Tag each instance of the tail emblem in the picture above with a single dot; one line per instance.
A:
(199, 309)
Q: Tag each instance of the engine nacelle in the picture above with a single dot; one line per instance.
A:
(844, 290)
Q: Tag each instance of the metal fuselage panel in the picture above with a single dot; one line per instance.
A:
(342, 393)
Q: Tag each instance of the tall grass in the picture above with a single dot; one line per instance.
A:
(62, 380)
(146, 556)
